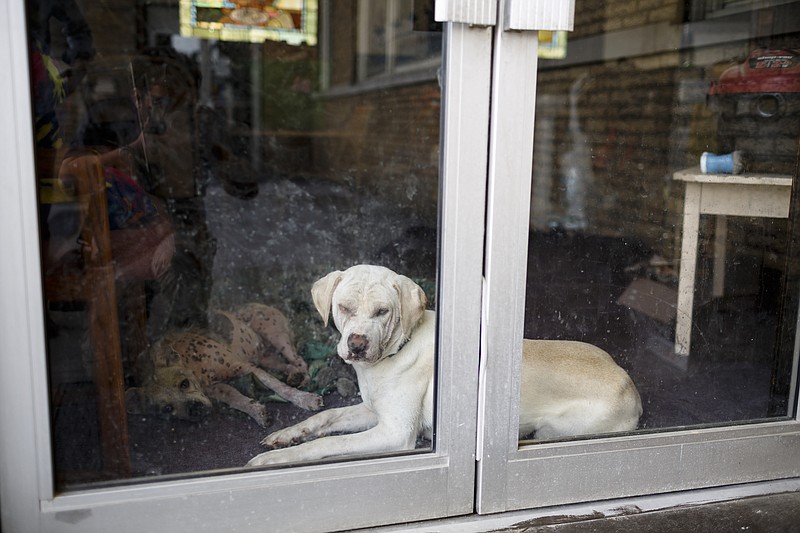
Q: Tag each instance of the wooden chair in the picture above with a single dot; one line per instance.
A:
(91, 279)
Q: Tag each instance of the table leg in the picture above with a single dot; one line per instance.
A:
(688, 266)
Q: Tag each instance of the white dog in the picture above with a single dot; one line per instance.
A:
(569, 388)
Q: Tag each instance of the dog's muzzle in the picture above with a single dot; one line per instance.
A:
(193, 411)
(357, 346)
(197, 410)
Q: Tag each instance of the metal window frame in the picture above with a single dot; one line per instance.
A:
(511, 477)
(385, 489)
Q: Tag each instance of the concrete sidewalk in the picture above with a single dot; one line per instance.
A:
(768, 507)
(776, 513)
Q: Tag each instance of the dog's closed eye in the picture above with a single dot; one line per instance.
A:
(380, 312)
(345, 310)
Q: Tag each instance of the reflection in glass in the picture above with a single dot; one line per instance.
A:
(191, 192)
(686, 278)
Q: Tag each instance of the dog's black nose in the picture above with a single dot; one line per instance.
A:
(197, 410)
(357, 344)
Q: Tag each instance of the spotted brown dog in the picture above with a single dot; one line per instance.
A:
(187, 369)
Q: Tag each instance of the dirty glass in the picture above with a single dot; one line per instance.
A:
(201, 164)
(663, 223)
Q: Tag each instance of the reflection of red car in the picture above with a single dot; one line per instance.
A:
(765, 71)
(758, 102)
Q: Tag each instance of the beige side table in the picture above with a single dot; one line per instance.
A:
(746, 195)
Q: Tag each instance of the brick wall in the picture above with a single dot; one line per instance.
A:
(643, 117)
(593, 17)
(625, 116)
(386, 142)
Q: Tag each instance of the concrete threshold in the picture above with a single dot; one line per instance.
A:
(772, 506)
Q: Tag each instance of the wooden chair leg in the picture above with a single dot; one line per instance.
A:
(108, 372)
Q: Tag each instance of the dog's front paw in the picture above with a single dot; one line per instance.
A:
(286, 437)
(274, 457)
(297, 378)
(309, 401)
(261, 415)
(265, 459)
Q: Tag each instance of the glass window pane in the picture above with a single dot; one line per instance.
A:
(412, 45)
(197, 177)
(397, 36)
(663, 231)
(375, 38)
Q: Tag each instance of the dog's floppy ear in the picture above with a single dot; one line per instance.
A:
(322, 293)
(412, 303)
(162, 352)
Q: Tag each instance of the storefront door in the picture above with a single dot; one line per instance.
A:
(532, 185)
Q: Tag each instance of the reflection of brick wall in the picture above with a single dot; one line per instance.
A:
(598, 16)
(642, 117)
(636, 122)
(625, 116)
(387, 142)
